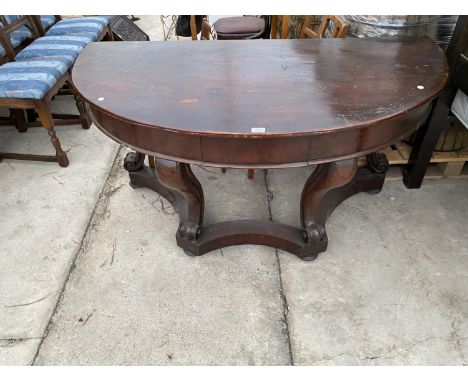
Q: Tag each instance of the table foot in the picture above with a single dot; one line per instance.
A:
(258, 232)
(324, 190)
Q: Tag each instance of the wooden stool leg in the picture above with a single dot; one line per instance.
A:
(223, 170)
(45, 116)
(250, 173)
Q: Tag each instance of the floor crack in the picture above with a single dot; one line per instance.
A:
(391, 355)
(103, 199)
(13, 340)
(284, 300)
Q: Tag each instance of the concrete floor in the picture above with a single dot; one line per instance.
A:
(90, 272)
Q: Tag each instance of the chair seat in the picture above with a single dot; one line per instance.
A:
(29, 79)
(19, 36)
(47, 21)
(239, 25)
(88, 26)
(55, 48)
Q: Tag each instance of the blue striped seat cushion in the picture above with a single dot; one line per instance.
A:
(10, 18)
(19, 35)
(31, 79)
(47, 21)
(55, 48)
(89, 26)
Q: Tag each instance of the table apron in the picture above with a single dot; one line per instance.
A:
(219, 150)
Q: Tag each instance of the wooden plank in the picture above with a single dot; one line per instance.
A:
(450, 156)
(394, 156)
(394, 173)
(433, 172)
(451, 168)
(404, 150)
(464, 172)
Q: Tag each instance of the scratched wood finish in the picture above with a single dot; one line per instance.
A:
(317, 100)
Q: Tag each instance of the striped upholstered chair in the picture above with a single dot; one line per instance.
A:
(43, 23)
(20, 30)
(95, 27)
(34, 78)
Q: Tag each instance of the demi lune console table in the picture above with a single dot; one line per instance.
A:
(259, 104)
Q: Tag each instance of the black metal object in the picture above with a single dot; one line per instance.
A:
(125, 29)
(427, 135)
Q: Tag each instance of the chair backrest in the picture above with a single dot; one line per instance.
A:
(330, 26)
(39, 25)
(9, 24)
(205, 29)
(284, 26)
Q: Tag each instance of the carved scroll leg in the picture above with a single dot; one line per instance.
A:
(188, 192)
(328, 186)
(372, 177)
(177, 183)
(144, 176)
(320, 196)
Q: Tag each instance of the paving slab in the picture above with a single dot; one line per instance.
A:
(391, 288)
(18, 352)
(135, 298)
(45, 212)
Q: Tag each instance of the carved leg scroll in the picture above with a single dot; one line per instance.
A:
(144, 176)
(328, 186)
(177, 183)
(188, 192)
(320, 196)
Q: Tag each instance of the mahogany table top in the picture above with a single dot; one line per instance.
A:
(258, 90)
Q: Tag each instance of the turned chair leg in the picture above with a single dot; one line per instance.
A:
(84, 117)
(45, 116)
(108, 36)
(85, 120)
(32, 115)
(20, 120)
(151, 161)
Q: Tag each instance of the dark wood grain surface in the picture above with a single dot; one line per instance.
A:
(316, 100)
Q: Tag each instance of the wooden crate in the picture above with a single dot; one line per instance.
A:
(453, 164)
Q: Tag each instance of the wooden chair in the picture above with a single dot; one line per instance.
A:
(339, 29)
(230, 28)
(44, 23)
(21, 32)
(78, 25)
(206, 29)
(240, 28)
(16, 32)
(31, 84)
(284, 26)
